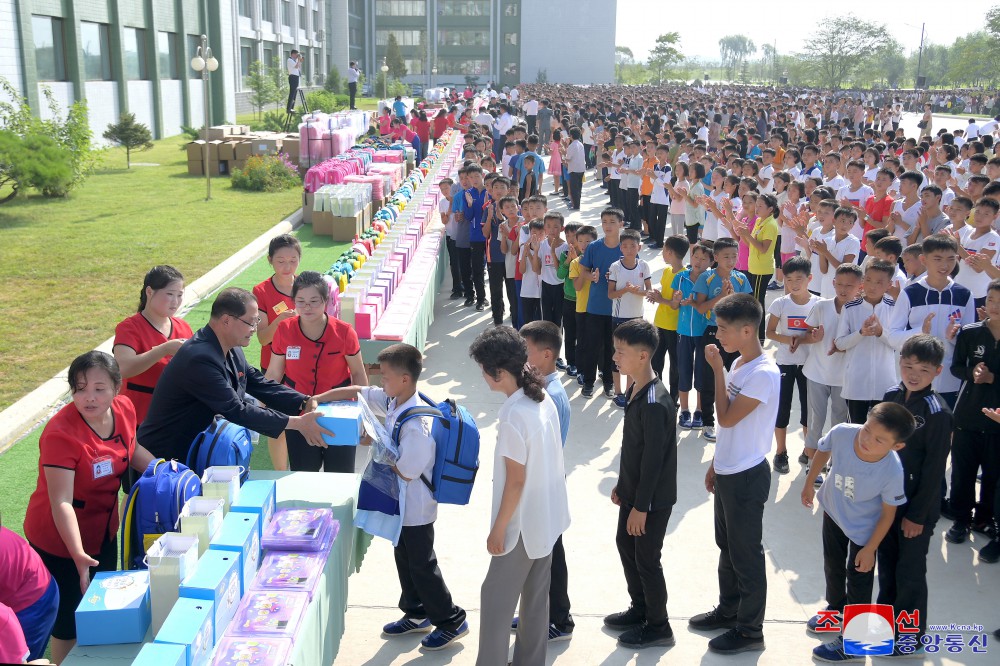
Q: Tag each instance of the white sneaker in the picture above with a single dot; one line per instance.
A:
(708, 432)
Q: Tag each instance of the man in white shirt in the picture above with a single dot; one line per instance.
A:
(505, 121)
(576, 164)
(353, 74)
(530, 109)
(972, 131)
(294, 67)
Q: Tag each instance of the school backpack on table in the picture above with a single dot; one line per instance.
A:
(456, 456)
(221, 444)
(153, 507)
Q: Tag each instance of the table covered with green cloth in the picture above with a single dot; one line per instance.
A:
(318, 640)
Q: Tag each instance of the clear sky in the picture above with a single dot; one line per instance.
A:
(702, 24)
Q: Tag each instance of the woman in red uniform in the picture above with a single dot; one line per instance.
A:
(422, 126)
(275, 303)
(146, 341)
(313, 353)
(72, 516)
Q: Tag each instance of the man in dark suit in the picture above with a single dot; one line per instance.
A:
(210, 375)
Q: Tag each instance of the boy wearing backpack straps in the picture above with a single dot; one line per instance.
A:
(425, 600)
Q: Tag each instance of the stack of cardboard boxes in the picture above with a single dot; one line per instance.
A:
(229, 147)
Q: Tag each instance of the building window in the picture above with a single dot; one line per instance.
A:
(166, 48)
(461, 66)
(286, 13)
(94, 42)
(193, 42)
(415, 66)
(268, 55)
(464, 8)
(400, 8)
(511, 9)
(354, 36)
(50, 58)
(302, 17)
(134, 50)
(463, 38)
(403, 37)
(510, 38)
(510, 69)
(245, 8)
(317, 26)
(246, 58)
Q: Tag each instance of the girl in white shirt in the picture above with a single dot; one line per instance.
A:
(530, 504)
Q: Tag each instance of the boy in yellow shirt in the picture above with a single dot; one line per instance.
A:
(675, 248)
(585, 235)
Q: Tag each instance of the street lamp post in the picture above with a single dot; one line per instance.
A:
(434, 73)
(385, 79)
(204, 62)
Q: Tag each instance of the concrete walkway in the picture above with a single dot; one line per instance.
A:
(962, 589)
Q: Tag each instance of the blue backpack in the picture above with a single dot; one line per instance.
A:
(456, 458)
(153, 507)
(221, 444)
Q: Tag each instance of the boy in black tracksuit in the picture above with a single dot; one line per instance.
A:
(902, 555)
(646, 490)
(976, 440)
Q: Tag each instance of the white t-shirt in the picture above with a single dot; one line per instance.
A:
(353, 74)
(858, 197)
(548, 265)
(632, 181)
(744, 445)
(627, 306)
(850, 245)
(617, 158)
(662, 176)
(531, 282)
(909, 216)
(975, 282)
(294, 68)
(528, 433)
(531, 107)
(416, 453)
(792, 321)
(814, 232)
(820, 366)
(835, 183)
(767, 173)
(450, 225)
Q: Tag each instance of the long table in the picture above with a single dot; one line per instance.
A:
(319, 639)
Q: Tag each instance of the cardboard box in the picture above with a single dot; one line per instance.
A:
(343, 419)
(190, 626)
(217, 580)
(242, 150)
(213, 151)
(171, 559)
(196, 151)
(222, 482)
(240, 534)
(217, 168)
(115, 609)
(226, 151)
(161, 654)
(345, 228)
(290, 146)
(237, 164)
(257, 497)
(202, 517)
(308, 201)
(266, 146)
(196, 168)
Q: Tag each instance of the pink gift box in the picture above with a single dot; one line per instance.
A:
(393, 328)
(364, 321)
(388, 282)
(396, 268)
(377, 299)
(402, 256)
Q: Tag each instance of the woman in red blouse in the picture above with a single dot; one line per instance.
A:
(72, 516)
(313, 353)
(274, 299)
(146, 341)
(422, 126)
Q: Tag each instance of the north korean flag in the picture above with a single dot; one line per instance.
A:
(797, 323)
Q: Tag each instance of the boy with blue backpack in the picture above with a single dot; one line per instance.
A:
(425, 599)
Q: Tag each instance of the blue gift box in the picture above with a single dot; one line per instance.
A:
(240, 534)
(217, 579)
(257, 496)
(190, 626)
(115, 609)
(343, 419)
(161, 654)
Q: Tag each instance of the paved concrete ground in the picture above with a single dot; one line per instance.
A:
(962, 589)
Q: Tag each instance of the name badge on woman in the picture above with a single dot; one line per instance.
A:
(293, 353)
(103, 467)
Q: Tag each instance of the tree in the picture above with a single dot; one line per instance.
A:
(734, 49)
(280, 80)
(665, 54)
(842, 45)
(34, 160)
(542, 76)
(130, 135)
(767, 63)
(334, 83)
(262, 87)
(623, 58)
(394, 58)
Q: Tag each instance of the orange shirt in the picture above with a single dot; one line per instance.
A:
(271, 303)
(646, 189)
(140, 336)
(314, 366)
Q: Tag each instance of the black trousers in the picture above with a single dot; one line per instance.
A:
(552, 303)
(791, 377)
(497, 274)
(857, 410)
(667, 350)
(632, 208)
(531, 309)
(581, 341)
(902, 569)
(454, 265)
(640, 557)
(971, 451)
(646, 212)
(844, 583)
(569, 330)
(615, 192)
(658, 221)
(559, 614)
(293, 87)
(305, 458)
(692, 233)
(352, 89)
(465, 267)
(707, 387)
(599, 349)
(759, 284)
(424, 594)
(739, 526)
(515, 317)
(532, 124)
(575, 189)
(478, 260)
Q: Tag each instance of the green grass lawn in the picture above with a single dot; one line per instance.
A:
(19, 465)
(73, 268)
(364, 104)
